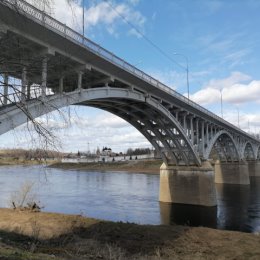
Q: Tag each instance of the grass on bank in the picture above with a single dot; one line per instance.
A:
(145, 166)
(29, 235)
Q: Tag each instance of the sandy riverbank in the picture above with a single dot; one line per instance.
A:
(27, 235)
(142, 166)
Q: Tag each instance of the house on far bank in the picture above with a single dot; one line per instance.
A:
(107, 155)
(106, 151)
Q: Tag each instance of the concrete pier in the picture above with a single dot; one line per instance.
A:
(254, 168)
(232, 172)
(188, 185)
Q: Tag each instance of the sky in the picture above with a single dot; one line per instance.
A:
(217, 40)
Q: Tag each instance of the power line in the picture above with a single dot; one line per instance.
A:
(144, 36)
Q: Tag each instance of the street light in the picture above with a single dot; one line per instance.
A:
(221, 102)
(83, 18)
(187, 71)
(238, 116)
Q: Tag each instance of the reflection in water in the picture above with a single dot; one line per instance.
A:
(233, 202)
(238, 209)
(254, 205)
(190, 215)
(132, 197)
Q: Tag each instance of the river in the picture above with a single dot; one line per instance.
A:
(129, 197)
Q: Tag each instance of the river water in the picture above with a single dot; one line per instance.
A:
(129, 197)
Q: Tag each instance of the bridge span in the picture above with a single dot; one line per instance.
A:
(58, 67)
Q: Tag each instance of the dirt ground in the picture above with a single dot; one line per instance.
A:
(29, 235)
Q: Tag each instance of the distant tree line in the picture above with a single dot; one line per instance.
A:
(138, 151)
(30, 154)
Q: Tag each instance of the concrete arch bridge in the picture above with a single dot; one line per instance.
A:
(55, 67)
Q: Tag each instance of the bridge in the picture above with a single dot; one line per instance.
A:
(58, 67)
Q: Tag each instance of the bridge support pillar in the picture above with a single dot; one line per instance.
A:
(24, 84)
(28, 89)
(6, 82)
(232, 173)
(254, 168)
(44, 76)
(188, 185)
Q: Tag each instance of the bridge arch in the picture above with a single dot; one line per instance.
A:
(248, 151)
(146, 114)
(225, 147)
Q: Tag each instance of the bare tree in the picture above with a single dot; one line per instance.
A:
(16, 88)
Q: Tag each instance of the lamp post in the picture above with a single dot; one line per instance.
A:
(238, 117)
(83, 18)
(187, 71)
(221, 103)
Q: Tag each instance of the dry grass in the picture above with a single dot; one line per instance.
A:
(145, 166)
(26, 235)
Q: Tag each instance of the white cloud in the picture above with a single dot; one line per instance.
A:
(234, 78)
(248, 122)
(103, 15)
(91, 127)
(110, 14)
(102, 129)
(102, 120)
(233, 91)
(206, 96)
(241, 93)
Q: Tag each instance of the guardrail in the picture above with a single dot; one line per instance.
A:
(17, 96)
(51, 23)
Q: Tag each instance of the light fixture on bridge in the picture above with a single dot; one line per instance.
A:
(83, 18)
(186, 69)
(221, 102)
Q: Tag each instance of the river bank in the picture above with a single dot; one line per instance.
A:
(30, 235)
(141, 166)
(17, 161)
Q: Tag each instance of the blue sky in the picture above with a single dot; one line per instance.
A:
(220, 39)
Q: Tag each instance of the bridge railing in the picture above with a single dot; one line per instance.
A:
(18, 97)
(46, 20)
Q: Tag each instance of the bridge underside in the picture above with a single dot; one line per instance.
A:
(150, 118)
(224, 149)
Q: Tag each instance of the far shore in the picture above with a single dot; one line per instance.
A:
(138, 166)
(18, 161)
